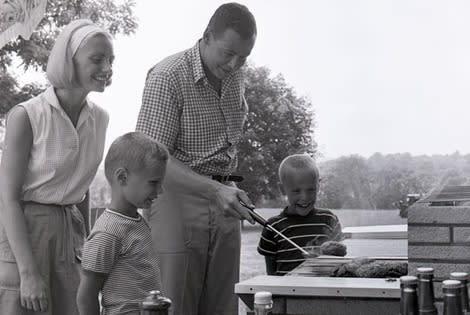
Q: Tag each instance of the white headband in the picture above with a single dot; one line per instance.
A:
(81, 35)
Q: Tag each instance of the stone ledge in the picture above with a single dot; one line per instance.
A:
(422, 213)
(439, 252)
(428, 234)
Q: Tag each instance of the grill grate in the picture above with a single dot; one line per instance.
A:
(448, 194)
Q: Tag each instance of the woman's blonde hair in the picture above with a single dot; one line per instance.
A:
(60, 69)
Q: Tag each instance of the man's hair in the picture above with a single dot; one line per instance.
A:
(298, 161)
(134, 151)
(233, 16)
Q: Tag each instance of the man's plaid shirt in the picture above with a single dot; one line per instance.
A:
(181, 109)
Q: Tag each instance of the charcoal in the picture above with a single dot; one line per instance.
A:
(368, 268)
(382, 269)
(349, 269)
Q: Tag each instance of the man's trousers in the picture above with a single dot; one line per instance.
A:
(199, 251)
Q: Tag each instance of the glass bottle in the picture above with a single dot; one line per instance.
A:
(426, 291)
(155, 304)
(263, 303)
(452, 302)
(462, 277)
(409, 296)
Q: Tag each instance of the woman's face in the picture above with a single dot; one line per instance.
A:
(93, 63)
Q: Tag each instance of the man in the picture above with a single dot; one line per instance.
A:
(193, 102)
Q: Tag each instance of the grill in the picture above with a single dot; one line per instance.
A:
(450, 195)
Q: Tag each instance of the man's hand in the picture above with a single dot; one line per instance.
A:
(229, 200)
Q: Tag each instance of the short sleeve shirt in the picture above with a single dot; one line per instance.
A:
(181, 109)
(314, 229)
(121, 247)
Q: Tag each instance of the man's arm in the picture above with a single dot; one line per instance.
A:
(159, 118)
(270, 265)
(88, 290)
(226, 198)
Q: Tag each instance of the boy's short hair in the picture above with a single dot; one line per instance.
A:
(298, 161)
(233, 16)
(134, 151)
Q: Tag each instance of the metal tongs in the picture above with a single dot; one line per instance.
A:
(265, 223)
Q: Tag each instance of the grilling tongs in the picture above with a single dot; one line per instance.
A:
(265, 223)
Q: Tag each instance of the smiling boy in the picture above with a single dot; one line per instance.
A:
(300, 221)
(118, 257)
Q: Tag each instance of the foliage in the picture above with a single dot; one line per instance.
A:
(279, 123)
(33, 53)
(13, 94)
(380, 181)
(345, 184)
(100, 191)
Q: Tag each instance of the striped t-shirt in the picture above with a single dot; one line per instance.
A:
(313, 229)
(121, 247)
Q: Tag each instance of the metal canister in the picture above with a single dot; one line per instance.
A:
(155, 304)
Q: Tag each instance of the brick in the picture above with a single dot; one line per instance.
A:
(439, 252)
(421, 213)
(429, 234)
(462, 234)
(441, 270)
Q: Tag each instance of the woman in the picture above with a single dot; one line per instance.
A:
(53, 146)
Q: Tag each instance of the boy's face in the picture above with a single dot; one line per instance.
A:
(143, 186)
(301, 187)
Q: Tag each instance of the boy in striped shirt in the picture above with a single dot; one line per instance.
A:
(118, 258)
(300, 221)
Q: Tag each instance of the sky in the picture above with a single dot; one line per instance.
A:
(387, 76)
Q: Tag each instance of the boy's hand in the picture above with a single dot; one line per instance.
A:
(33, 292)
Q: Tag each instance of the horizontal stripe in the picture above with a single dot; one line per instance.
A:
(305, 231)
(121, 247)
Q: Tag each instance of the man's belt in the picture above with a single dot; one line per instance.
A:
(227, 178)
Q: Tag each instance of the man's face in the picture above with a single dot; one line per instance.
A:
(226, 53)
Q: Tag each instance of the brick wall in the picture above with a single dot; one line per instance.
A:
(439, 237)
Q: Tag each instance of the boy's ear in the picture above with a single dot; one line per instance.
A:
(281, 188)
(121, 175)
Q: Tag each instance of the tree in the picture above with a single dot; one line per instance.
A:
(345, 183)
(13, 94)
(279, 123)
(33, 53)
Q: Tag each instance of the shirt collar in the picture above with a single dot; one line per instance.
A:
(198, 69)
(51, 98)
(287, 213)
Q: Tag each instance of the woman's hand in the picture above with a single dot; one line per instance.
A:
(33, 292)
